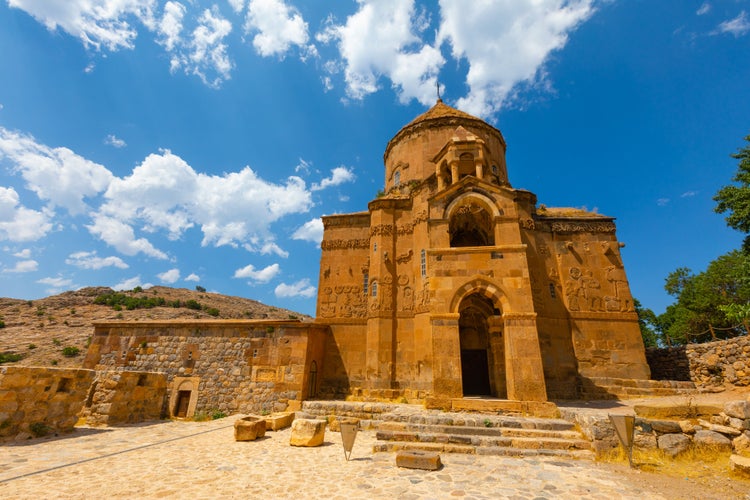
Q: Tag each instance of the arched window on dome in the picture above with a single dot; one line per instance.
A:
(471, 226)
(466, 166)
(397, 178)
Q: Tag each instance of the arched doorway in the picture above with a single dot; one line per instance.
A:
(481, 353)
(471, 226)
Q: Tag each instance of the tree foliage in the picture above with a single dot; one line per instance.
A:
(735, 198)
(707, 299)
(647, 323)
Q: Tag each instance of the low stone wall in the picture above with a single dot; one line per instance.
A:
(36, 401)
(229, 366)
(672, 429)
(714, 364)
(124, 397)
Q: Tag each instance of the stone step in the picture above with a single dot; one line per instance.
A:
(618, 388)
(565, 432)
(394, 446)
(532, 443)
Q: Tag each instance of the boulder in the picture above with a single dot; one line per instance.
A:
(741, 444)
(249, 428)
(418, 459)
(712, 438)
(277, 421)
(740, 465)
(307, 432)
(738, 409)
(673, 444)
(665, 426)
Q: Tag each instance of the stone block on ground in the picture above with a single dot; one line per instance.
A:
(334, 424)
(740, 465)
(277, 421)
(307, 432)
(712, 438)
(249, 428)
(738, 409)
(418, 459)
(741, 444)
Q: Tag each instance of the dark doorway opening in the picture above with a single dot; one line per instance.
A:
(478, 363)
(475, 372)
(183, 402)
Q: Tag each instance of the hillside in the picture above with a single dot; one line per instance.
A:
(39, 330)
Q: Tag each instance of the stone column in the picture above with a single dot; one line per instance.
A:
(523, 358)
(498, 381)
(446, 352)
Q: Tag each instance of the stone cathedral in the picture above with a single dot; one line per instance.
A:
(453, 283)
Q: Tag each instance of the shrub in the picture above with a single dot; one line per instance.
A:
(193, 304)
(32, 346)
(217, 414)
(53, 362)
(212, 311)
(199, 288)
(9, 357)
(56, 342)
(39, 429)
(70, 351)
(137, 289)
(2, 324)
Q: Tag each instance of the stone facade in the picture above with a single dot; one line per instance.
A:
(454, 283)
(713, 364)
(232, 366)
(37, 401)
(123, 397)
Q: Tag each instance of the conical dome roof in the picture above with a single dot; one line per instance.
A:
(440, 110)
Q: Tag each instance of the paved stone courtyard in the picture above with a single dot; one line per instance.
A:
(175, 459)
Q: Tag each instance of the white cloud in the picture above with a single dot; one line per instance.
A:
(208, 52)
(18, 223)
(737, 27)
(122, 237)
(301, 288)
(688, 194)
(170, 25)
(56, 285)
(130, 283)
(382, 39)
(170, 276)
(704, 9)
(237, 5)
(193, 277)
(663, 202)
(24, 266)
(98, 23)
(261, 275)
(271, 248)
(56, 175)
(114, 141)
(339, 175)
(23, 254)
(303, 166)
(506, 43)
(311, 230)
(90, 260)
(278, 27)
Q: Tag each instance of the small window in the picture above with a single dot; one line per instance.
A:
(423, 263)
(552, 290)
(374, 247)
(374, 288)
(365, 282)
(494, 169)
(397, 178)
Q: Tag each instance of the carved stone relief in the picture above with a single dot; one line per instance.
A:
(346, 301)
(584, 292)
(345, 244)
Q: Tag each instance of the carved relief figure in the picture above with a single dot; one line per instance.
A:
(574, 289)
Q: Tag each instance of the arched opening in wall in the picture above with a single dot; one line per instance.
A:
(482, 349)
(466, 165)
(471, 226)
(312, 381)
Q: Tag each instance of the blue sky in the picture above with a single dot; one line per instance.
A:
(188, 143)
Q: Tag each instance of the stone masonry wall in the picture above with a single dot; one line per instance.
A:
(36, 401)
(232, 366)
(714, 364)
(122, 397)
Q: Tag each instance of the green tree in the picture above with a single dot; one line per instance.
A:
(647, 322)
(702, 298)
(735, 198)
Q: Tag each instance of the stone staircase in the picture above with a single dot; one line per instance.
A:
(411, 427)
(598, 388)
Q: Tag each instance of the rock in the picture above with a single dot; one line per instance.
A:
(644, 441)
(738, 409)
(307, 432)
(249, 428)
(712, 438)
(417, 459)
(673, 444)
(665, 426)
(741, 445)
(278, 421)
(740, 465)
(687, 427)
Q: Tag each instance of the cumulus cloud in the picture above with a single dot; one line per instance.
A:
(56, 285)
(301, 288)
(169, 27)
(122, 237)
(23, 254)
(339, 175)
(260, 275)
(193, 277)
(737, 27)
(18, 223)
(704, 9)
(506, 43)
(311, 230)
(90, 260)
(23, 266)
(114, 141)
(56, 175)
(130, 283)
(98, 23)
(382, 39)
(170, 276)
(277, 28)
(663, 202)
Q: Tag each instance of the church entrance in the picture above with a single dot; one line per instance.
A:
(476, 353)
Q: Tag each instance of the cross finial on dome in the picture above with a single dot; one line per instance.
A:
(437, 84)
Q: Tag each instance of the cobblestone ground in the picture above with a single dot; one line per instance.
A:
(202, 460)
